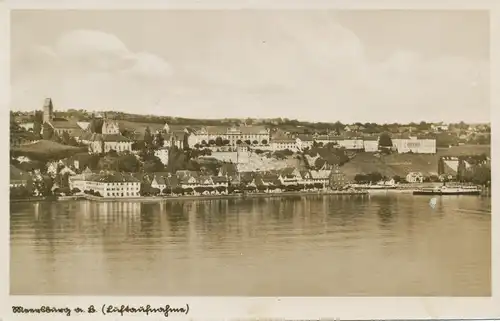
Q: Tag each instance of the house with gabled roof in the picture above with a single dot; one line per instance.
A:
(289, 176)
(159, 182)
(321, 176)
(220, 181)
(110, 139)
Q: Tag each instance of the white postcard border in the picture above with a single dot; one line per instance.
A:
(252, 308)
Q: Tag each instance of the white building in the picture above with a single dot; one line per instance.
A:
(173, 139)
(414, 145)
(290, 176)
(113, 185)
(84, 125)
(370, 145)
(27, 126)
(414, 177)
(284, 143)
(257, 135)
(352, 143)
(159, 183)
(304, 142)
(110, 139)
(440, 127)
(162, 154)
(326, 139)
(80, 181)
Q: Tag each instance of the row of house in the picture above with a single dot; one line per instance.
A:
(401, 144)
(121, 185)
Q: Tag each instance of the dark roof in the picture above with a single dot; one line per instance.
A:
(305, 137)
(64, 124)
(305, 174)
(220, 179)
(282, 140)
(287, 171)
(113, 177)
(160, 180)
(86, 135)
(171, 181)
(247, 176)
(108, 137)
(185, 175)
(143, 177)
(269, 178)
(249, 130)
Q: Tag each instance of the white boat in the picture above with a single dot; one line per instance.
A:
(450, 190)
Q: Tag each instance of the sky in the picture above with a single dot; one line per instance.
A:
(314, 65)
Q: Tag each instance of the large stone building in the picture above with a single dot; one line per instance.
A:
(110, 139)
(108, 184)
(413, 144)
(257, 135)
(60, 125)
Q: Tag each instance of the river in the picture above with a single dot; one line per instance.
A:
(378, 245)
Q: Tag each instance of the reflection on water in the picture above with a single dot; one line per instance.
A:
(333, 246)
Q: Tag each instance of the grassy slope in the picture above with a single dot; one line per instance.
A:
(401, 164)
(46, 149)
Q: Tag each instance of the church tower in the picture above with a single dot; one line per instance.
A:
(48, 111)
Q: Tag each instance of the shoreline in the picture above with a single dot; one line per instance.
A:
(159, 199)
(154, 199)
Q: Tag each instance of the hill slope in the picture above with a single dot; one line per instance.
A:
(402, 164)
(46, 150)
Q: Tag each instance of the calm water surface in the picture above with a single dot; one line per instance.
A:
(387, 245)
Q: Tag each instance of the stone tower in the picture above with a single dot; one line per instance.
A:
(48, 111)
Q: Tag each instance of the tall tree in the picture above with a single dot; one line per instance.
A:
(385, 140)
(48, 131)
(56, 138)
(66, 139)
(148, 140)
(96, 125)
(128, 163)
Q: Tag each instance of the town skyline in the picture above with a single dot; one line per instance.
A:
(315, 66)
(102, 113)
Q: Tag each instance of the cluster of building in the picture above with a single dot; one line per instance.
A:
(251, 137)
(401, 143)
(124, 185)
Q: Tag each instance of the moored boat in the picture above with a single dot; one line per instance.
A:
(449, 190)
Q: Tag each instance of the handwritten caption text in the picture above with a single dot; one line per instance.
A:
(105, 309)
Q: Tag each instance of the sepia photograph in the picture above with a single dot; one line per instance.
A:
(318, 152)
